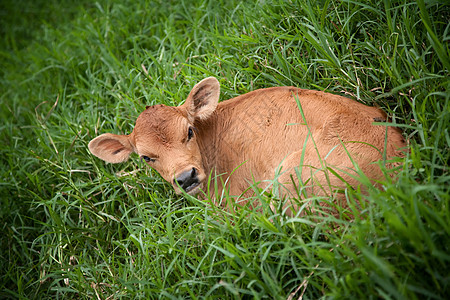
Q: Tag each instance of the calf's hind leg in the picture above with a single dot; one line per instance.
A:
(308, 176)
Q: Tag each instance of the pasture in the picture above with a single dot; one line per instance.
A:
(75, 227)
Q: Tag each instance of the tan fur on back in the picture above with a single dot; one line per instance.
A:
(265, 127)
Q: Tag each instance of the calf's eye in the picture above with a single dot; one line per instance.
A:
(148, 159)
(190, 133)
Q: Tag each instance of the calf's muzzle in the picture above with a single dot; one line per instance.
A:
(187, 180)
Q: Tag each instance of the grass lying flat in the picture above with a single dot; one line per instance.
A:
(76, 227)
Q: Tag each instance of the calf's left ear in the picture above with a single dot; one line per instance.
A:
(111, 148)
(203, 99)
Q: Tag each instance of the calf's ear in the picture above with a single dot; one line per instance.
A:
(111, 148)
(203, 99)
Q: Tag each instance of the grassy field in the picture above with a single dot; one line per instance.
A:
(75, 227)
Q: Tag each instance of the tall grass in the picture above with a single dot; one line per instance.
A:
(75, 227)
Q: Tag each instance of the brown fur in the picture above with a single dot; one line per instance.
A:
(252, 135)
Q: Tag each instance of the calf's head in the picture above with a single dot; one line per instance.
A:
(165, 138)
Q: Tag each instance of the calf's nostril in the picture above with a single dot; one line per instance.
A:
(187, 180)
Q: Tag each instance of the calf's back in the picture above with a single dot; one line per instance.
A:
(253, 134)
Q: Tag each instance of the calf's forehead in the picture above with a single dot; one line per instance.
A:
(160, 125)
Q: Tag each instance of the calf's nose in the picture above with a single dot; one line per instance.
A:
(187, 180)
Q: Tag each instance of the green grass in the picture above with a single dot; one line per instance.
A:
(75, 227)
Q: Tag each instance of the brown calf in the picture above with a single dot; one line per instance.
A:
(245, 139)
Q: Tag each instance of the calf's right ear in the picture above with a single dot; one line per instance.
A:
(111, 148)
(203, 99)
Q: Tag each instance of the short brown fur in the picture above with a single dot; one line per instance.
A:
(252, 135)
